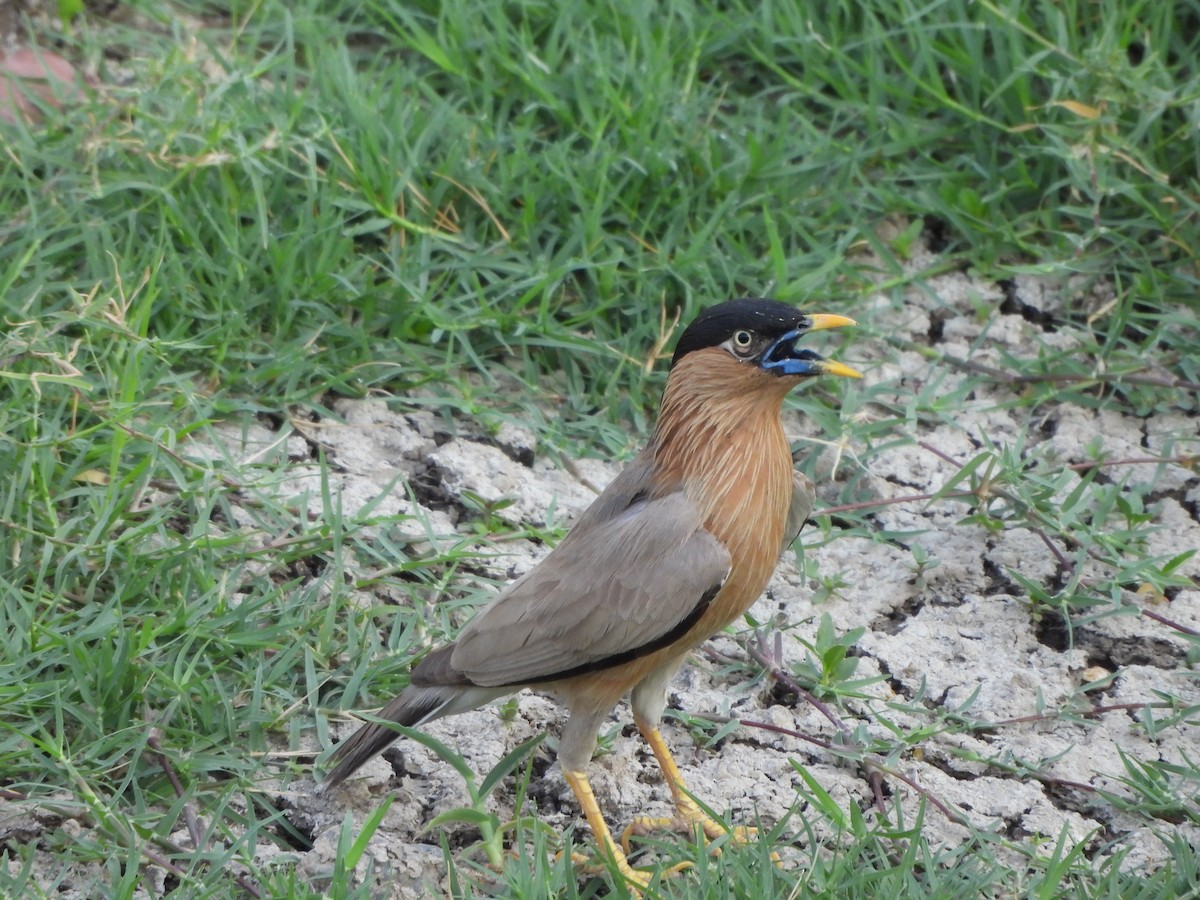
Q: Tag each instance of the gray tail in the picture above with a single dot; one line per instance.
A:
(414, 706)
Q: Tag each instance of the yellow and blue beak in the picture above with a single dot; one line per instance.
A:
(783, 357)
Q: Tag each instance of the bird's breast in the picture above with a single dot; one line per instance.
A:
(745, 498)
(720, 439)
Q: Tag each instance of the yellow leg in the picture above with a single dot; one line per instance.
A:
(687, 813)
(591, 811)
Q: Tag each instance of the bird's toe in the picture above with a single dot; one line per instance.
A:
(687, 819)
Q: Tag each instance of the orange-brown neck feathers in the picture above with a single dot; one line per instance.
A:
(719, 435)
(711, 394)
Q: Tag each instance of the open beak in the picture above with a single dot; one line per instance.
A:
(784, 358)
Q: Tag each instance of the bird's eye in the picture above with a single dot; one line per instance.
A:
(742, 339)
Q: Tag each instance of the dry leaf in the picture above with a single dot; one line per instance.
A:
(1080, 109)
(30, 72)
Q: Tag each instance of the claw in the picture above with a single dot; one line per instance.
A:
(688, 817)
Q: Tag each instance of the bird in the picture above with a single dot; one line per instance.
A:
(678, 546)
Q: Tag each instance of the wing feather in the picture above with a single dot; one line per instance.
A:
(612, 588)
(804, 495)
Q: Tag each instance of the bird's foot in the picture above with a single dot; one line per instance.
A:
(688, 816)
(637, 880)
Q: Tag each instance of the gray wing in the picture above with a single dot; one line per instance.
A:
(633, 575)
(804, 495)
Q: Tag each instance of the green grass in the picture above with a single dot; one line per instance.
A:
(502, 208)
